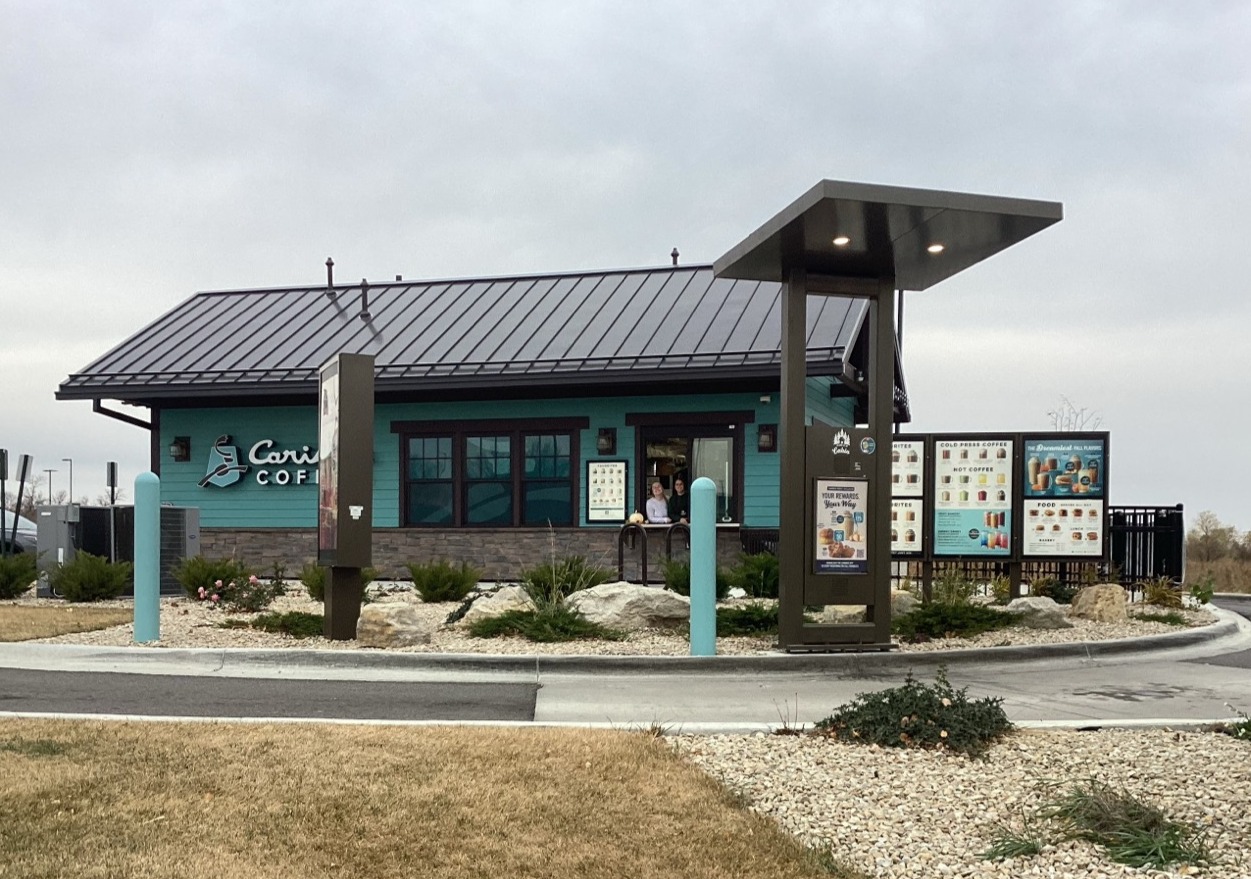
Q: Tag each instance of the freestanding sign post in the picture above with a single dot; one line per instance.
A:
(345, 486)
(867, 242)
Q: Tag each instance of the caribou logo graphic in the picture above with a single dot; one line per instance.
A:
(223, 465)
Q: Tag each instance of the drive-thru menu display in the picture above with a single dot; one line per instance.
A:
(1063, 485)
(973, 497)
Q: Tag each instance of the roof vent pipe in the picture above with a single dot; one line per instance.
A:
(330, 277)
(675, 256)
(364, 315)
(399, 277)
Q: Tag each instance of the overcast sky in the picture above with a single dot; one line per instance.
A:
(151, 150)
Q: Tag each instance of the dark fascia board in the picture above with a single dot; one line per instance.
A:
(889, 228)
(730, 378)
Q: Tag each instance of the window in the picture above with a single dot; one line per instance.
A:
(689, 445)
(490, 473)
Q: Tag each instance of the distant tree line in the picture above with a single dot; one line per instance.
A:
(1210, 540)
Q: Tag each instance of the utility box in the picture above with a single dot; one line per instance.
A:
(109, 532)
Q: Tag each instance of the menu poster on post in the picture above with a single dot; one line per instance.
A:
(907, 468)
(841, 529)
(1065, 468)
(972, 497)
(905, 526)
(605, 491)
(1063, 527)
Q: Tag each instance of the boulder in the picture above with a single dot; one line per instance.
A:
(1105, 603)
(499, 602)
(902, 602)
(392, 624)
(627, 606)
(1034, 612)
(841, 614)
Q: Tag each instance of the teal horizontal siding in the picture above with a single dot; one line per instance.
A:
(249, 504)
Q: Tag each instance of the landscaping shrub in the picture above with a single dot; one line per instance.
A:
(442, 581)
(1053, 588)
(314, 579)
(678, 578)
(930, 621)
(1162, 592)
(561, 578)
(1240, 729)
(1001, 589)
(16, 574)
(551, 622)
(198, 573)
(91, 578)
(918, 715)
(295, 623)
(952, 588)
(1202, 590)
(1172, 618)
(748, 619)
(756, 574)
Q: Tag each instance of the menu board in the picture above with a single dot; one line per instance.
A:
(907, 468)
(1065, 468)
(972, 497)
(905, 526)
(605, 491)
(841, 528)
(1064, 527)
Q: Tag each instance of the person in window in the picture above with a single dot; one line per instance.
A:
(680, 502)
(657, 506)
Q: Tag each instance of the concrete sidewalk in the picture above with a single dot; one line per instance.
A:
(1174, 679)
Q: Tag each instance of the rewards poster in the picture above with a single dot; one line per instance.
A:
(841, 526)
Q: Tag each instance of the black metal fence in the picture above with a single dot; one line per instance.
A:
(1145, 543)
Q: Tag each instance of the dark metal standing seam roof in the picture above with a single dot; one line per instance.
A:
(670, 325)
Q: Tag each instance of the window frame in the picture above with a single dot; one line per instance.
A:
(517, 429)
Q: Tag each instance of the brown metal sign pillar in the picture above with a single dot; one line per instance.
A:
(799, 584)
(792, 552)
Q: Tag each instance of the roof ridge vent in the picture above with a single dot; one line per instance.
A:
(330, 291)
(674, 256)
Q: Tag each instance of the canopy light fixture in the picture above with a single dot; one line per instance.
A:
(842, 241)
(935, 248)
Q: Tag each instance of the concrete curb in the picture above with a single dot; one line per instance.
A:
(283, 662)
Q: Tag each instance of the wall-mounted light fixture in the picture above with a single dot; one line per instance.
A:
(606, 442)
(767, 438)
(180, 448)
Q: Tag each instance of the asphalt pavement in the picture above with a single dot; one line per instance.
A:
(1187, 678)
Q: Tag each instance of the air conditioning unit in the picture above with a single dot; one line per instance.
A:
(109, 532)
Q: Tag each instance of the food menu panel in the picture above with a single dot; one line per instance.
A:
(1065, 468)
(905, 526)
(907, 468)
(973, 497)
(841, 526)
(1064, 527)
(605, 491)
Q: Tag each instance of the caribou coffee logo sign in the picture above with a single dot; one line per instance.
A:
(841, 445)
(268, 464)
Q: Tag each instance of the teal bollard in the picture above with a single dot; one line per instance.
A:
(147, 558)
(703, 567)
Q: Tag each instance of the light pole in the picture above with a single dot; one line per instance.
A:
(49, 472)
(71, 478)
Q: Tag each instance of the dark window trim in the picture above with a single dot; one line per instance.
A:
(697, 424)
(684, 419)
(493, 425)
(516, 428)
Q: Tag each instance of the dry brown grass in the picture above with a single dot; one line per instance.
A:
(1228, 575)
(117, 800)
(18, 623)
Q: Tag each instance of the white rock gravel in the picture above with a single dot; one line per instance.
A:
(890, 813)
(906, 813)
(189, 623)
